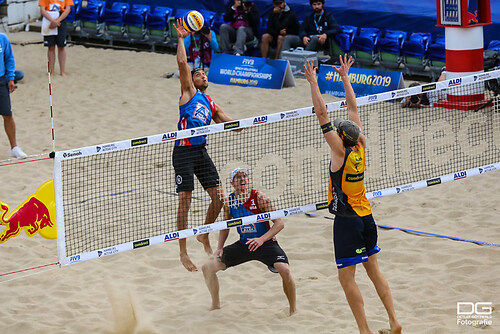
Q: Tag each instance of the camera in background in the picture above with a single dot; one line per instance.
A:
(246, 3)
(204, 31)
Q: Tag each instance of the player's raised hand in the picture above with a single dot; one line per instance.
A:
(309, 71)
(345, 65)
(181, 32)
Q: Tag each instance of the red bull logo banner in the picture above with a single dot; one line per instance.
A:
(471, 15)
(36, 215)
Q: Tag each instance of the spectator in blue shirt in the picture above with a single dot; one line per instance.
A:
(200, 46)
(7, 86)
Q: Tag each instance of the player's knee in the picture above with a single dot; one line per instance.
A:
(206, 268)
(283, 269)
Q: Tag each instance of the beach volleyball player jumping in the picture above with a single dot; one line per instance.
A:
(190, 155)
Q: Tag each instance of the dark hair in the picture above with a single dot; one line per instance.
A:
(196, 69)
(313, 1)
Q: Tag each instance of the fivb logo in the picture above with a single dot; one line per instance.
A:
(247, 61)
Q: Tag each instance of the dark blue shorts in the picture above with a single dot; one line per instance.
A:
(5, 107)
(59, 39)
(354, 240)
(269, 253)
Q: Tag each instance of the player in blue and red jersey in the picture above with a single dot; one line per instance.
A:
(257, 241)
(190, 156)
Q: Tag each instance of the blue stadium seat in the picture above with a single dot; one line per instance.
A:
(179, 13)
(217, 22)
(364, 45)
(91, 18)
(414, 51)
(389, 48)
(157, 25)
(114, 27)
(392, 41)
(436, 52)
(135, 22)
(494, 45)
(73, 18)
(342, 43)
(209, 17)
(416, 45)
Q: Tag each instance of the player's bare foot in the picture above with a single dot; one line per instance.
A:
(203, 238)
(214, 307)
(396, 328)
(293, 311)
(187, 263)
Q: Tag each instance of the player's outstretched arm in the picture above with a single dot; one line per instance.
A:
(331, 137)
(221, 117)
(187, 86)
(352, 105)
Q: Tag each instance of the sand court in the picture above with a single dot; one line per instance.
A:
(111, 95)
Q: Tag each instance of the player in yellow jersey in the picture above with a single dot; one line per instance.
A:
(354, 231)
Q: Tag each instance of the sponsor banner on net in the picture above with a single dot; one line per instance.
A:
(476, 314)
(72, 154)
(293, 211)
(107, 251)
(405, 188)
(203, 229)
(106, 148)
(290, 114)
(487, 168)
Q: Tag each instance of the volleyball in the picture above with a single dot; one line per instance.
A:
(193, 21)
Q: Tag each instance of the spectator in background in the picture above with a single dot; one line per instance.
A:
(200, 47)
(243, 18)
(318, 27)
(282, 30)
(425, 99)
(63, 7)
(415, 101)
(7, 86)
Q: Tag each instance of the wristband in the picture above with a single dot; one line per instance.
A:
(327, 127)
